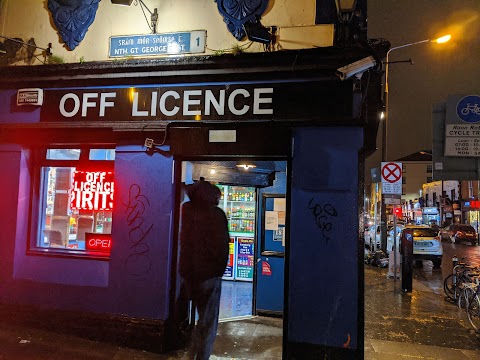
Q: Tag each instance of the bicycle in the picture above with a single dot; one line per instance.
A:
(473, 108)
(468, 293)
(462, 274)
(473, 310)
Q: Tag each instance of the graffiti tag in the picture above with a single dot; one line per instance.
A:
(323, 215)
(138, 263)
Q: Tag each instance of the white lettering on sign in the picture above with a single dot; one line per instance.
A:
(462, 140)
(70, 108)
(196, 102)
(231, 102)
(92, 190)
(76, 105)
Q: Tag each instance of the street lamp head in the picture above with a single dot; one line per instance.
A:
(443, 39)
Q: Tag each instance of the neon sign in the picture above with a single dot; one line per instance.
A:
(92, 190)
(98, 242)
(474, 204)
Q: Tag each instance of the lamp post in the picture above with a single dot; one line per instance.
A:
(440, 40)
(385, 117)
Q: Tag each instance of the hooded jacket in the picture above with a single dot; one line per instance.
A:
(204, 237)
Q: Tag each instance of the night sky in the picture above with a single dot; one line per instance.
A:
(438, 70)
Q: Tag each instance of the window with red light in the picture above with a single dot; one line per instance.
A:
(76, 192)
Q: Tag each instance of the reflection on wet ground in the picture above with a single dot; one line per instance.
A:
(423, 316)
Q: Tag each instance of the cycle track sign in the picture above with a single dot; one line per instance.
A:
(462, 126)
(391, 178)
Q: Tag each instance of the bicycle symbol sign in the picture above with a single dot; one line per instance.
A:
(468, 109)
(391, 172)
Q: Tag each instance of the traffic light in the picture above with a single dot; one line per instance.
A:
(398, 212)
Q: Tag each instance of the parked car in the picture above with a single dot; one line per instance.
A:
(459, 233)
(373, 232)
(390, 236)
(426, 243)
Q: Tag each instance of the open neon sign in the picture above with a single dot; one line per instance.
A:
(98, 242)
(92, 190)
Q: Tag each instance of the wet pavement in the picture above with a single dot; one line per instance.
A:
(421, 317)
(418, 325)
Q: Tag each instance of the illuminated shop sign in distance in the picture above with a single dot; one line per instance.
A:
(92, 190)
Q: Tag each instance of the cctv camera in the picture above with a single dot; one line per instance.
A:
(356, 68)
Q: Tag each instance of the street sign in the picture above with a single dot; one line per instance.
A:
(462, 126)
(187, 42)
(391, 178)
(392, 201)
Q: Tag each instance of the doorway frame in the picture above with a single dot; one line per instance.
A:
(177, 184)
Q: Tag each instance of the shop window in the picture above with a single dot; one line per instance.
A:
(75, 188)
(102, 154)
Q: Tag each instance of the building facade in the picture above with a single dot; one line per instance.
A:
(416, 171)
(441, 202)
(470, 206)
(94, 146)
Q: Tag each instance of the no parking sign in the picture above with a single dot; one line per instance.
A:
(391, 178)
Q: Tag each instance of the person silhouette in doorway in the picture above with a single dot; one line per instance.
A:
(204, 249)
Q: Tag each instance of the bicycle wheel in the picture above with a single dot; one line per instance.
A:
(450, 287)
(473, 312)
(466, 296)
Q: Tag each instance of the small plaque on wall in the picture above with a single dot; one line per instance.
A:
(188, 42)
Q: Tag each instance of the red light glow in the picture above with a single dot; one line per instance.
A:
(92, 190)
(98, 242)
(398, 212)
(475, 204)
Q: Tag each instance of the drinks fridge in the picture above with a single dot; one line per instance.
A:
(238, 202)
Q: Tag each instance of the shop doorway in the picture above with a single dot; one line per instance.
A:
(245, 184)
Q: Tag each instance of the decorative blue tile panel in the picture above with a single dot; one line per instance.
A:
(237, 12)
(73, 18)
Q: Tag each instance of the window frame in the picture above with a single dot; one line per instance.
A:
(38, 198)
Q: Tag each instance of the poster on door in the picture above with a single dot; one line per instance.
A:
(244, 259)
(229, 270)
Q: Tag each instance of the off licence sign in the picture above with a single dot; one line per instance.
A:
(391, 178)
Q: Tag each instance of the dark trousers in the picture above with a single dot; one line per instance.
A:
(206, 299)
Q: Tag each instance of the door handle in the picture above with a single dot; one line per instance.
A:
(273, 253)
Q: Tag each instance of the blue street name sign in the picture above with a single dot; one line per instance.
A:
(158, 44)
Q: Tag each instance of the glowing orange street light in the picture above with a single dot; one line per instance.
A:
(443, 39)
(440, 40)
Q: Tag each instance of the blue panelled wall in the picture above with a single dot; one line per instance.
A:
(323, 279)
(139, 262)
